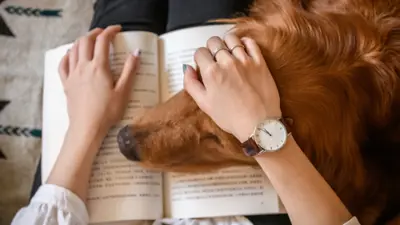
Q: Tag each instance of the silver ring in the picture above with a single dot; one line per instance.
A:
(219, 49)
(236, 46)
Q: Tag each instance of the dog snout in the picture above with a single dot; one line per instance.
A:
(128, 144)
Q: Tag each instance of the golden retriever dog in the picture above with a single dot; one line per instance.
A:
(337, 67)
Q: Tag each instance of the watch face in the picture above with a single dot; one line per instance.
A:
(270, 135)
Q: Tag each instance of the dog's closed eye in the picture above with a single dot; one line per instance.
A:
(210, 137)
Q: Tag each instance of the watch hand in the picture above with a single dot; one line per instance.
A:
(267, 132)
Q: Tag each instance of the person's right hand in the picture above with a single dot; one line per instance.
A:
(94, 100)
(237, 90)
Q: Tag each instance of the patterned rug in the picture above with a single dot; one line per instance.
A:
(27, 29)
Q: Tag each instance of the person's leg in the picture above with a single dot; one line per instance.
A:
(189, 13)
(37, 180)
(143, 15)
(279, 219)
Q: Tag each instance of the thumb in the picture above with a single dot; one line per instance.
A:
(125, 82)
(193, 86)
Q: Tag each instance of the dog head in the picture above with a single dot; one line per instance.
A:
(178, 136)
(335, 78)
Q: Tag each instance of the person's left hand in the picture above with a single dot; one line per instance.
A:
(237, 89)
(94, 102)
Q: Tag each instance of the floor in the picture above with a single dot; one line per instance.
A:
(27, 29)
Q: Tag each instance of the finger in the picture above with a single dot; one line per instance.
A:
(194, 87)
(203, 59)
(63, 68)
(218, 49)
(253, 49)
(86, 44)
(102, 47)
(125, 82)
(73, 56)
(236, 47)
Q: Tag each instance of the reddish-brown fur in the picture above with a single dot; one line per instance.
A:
(336, 65)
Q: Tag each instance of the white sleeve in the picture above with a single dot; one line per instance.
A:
(352, 221)
(53, 205)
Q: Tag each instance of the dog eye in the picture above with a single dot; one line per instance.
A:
(211, 137)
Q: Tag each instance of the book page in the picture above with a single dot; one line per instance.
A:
(227, 192)
(231, 191)
(119, 189)
(177, 48)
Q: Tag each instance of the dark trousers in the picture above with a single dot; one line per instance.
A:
(160, 16)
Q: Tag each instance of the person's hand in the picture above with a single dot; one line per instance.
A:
(237, 90)
(94, 102)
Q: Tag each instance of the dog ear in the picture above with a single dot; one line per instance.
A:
(390, 57)
(390, 30)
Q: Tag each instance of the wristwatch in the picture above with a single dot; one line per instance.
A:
(268, 136)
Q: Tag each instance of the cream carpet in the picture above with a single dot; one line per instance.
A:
(27, 29)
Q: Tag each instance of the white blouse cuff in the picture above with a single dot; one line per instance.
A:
(352, 221)
(63, 199)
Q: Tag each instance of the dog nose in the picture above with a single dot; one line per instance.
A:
(127, 144)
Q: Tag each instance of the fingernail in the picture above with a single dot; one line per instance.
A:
(244, 39)
(137, 52)
(184, 67)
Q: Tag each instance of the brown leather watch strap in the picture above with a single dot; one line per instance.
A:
(287, 123)
(251, 148)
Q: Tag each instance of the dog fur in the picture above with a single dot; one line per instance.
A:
(336, 65)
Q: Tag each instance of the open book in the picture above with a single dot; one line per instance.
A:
(120, 190)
